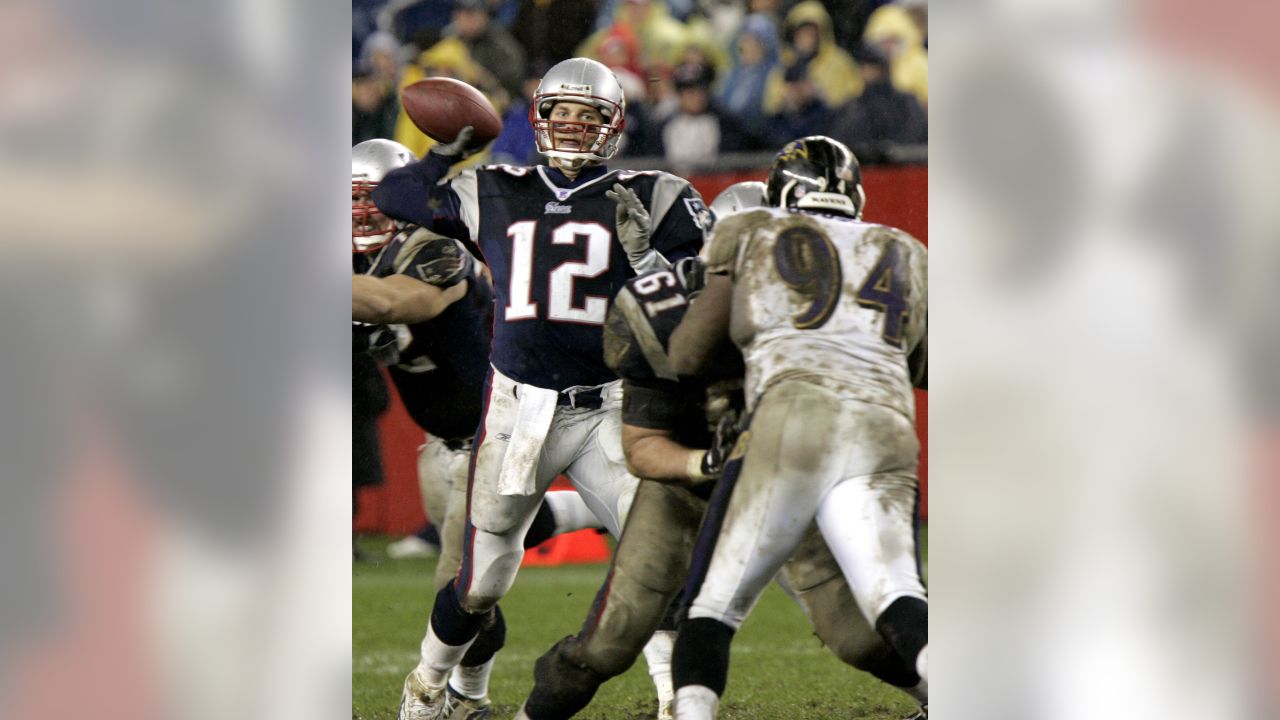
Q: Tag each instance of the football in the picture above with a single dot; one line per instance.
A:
(440, 107)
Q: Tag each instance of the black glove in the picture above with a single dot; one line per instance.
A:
(726, 436)
(692, 273)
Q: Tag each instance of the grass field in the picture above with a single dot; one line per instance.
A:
(778, 670)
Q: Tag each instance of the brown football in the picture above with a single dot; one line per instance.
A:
(440, 107)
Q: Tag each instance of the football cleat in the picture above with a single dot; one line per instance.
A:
(459, 707)
(921, 714)
(421, 701)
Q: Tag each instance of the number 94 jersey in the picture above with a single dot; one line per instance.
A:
(832, 300)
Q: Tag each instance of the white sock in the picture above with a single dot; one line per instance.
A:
(438, 658)
(657, 655)
(922, 663)
(570, 510)
(472, 682)
(919, 693)
(696, 702)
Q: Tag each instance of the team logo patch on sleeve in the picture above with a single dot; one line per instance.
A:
(698, 211)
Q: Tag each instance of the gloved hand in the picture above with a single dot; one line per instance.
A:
(726, 436)
(455, 151)
(634, 227)
(692, 273)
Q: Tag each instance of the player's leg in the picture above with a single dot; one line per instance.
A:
(597, 465)
(492, 547)
(648, 569)
(878, 554)
(755, 520)
(448, 468)
(816, 583)
(435, 479)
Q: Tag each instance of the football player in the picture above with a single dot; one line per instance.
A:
(560, 241)
(831, 434)
(669, 443)
(444, 301)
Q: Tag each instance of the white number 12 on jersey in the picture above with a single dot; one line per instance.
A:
(560, 293)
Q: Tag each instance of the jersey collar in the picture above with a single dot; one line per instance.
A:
(563, 187)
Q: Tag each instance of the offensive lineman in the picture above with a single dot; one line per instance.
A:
(830, 436)
(440, 293)
(669, 445)
(551, 404)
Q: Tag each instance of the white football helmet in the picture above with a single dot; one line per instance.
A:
(738, 197)
(585, 81)
(371, 160)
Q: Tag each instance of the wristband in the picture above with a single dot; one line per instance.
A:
(693, 467)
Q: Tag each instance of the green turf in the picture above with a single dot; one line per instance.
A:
(778, 668)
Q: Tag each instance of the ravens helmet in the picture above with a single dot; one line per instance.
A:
(817, 173)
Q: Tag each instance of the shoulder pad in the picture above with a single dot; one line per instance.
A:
(431, 258)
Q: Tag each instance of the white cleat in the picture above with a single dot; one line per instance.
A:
(666, 711)
(421, 701)
(459, 707)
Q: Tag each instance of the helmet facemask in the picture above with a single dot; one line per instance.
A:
(370, 229)
(572, 141)
(576, 143)
(371, 160)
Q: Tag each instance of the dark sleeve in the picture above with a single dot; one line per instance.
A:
(681, 231)
(656, 406)
(426, 256)
(413, 194)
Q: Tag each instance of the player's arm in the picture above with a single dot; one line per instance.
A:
(414, 194)
(400, 299)
(653, 455)
(703, 328)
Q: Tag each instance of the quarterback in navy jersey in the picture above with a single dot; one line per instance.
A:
(424, 305)
(560, 242)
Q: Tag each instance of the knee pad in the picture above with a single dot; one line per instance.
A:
(452, 624)
(702, 654)
(905, 626)
(491, 638)
(562, 688)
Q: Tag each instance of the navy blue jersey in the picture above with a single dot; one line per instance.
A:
(441, 372)
(551, 246)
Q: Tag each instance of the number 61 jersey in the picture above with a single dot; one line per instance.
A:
(831, 300)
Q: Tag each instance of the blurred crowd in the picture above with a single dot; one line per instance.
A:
(702, 77)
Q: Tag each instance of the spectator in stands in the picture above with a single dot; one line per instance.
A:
(808, 40)
(755, 56)
(881, 114)
(374, 105)
(550, 30)
(414, 21)
(803, 112)
(661, 36)
(619, 50)
(490, 45)
(382, 52)
(892, 30)
(697, 134)
(515, 145)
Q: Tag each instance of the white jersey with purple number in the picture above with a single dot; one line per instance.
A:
(831, 300)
